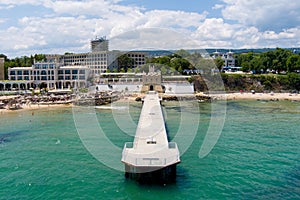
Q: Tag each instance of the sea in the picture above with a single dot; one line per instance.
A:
(252, 151)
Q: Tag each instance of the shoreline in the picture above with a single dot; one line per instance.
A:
(256, 96)
(201, 97)
(33, 107)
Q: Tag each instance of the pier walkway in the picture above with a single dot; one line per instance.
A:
(151, 153)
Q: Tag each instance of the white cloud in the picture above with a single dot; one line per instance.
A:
(23, 2)
(217, 33)
(2, 20)
(69, 25)
(218, 6)
(152, 38)
(266, 15)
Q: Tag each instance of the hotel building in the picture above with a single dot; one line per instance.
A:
(50, 75)
(73, 69)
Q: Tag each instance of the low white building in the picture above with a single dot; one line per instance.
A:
(51, 75)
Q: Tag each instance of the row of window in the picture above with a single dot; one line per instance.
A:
(27, 78)
(44, 66)
(46, 78)
(135, 55)
(27, 72)
(74, 71)
(71, 78)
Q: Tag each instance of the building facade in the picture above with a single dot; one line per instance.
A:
(99, 44)
(73, 69)
(229, 60)
(152, 81)
(100, 59)
(2, 77)
(98, 62)
(51, 75)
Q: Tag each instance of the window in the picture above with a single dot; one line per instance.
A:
(68, 71)
(82, 71)
(74, 71)
(19, 72)
(12, 73)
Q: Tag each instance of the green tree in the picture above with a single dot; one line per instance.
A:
(125, 62)
(219, 62)
(293, 63)
(294, 80)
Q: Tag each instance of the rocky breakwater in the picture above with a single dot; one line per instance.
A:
(200, 97)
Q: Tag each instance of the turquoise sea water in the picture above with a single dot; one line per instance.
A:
(256, 157)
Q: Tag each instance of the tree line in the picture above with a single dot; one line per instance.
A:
(276, 61)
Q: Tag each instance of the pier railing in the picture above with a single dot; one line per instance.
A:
(150, 159)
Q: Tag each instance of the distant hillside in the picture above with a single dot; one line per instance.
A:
(152, 53)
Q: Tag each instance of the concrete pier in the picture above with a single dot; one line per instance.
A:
(151, 157)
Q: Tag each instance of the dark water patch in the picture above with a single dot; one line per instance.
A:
(8, 137)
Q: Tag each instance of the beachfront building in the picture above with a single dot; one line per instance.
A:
(15, 85)
(74, 69)
(50, 75)
(73, 76)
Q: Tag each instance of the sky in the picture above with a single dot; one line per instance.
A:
(30, 27)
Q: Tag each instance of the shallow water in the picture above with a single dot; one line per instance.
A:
(256, 156)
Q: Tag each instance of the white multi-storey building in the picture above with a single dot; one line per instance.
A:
(98, 62)
(74, 69)
(51, 75)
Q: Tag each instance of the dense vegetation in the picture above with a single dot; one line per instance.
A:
(276, 61)
(279, 70)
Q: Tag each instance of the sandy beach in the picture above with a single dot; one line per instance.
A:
(226, 96)
(257, 96)
(35, 107)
